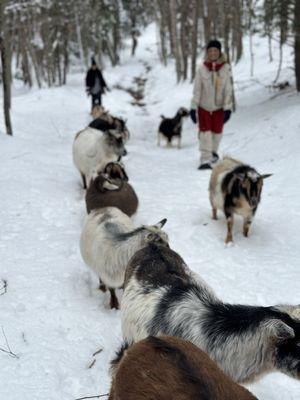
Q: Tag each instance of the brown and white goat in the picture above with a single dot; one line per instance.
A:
(108, 189)
(235, 188)
(167, 368)
(171, 127)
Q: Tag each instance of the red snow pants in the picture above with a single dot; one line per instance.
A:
(211, 121)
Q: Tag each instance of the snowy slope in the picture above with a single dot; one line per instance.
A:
(52, 314)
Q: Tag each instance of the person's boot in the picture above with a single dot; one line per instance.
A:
(205, 166)
(215, 157)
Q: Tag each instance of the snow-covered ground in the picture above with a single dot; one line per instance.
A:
(52, 314)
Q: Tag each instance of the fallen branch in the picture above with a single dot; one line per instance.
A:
(92, 363)
(93, 397)
(4, 287)
(97, 352)
(8, 351)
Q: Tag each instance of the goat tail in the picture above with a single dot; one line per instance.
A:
(162, 116)
(119, 355)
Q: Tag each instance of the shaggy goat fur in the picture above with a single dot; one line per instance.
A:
(108, 240)
(93, 149)
(163, 296)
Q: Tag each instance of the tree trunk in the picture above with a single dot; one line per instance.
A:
(195, 6)
(184, 37)
(176, 53)
(297, 43)
(5, 71)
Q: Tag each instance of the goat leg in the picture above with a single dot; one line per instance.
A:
(113, 299)
(214, 213)
(229, 229)
(102, 286)
(246, 226)
(83, 181)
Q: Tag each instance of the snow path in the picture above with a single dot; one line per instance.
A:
(52, 314)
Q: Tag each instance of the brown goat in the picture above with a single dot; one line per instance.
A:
(167, 368)
(106, 192)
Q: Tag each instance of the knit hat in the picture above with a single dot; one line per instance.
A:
(214, 43)
(93, 61)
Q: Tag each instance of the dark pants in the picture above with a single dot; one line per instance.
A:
(96, 99)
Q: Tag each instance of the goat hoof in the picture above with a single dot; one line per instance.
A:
(102, 287)
(114, 304)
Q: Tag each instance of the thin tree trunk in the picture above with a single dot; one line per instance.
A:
(297, 43)
(196, 6)
(176, 53)
(5, 70)
(79, 38)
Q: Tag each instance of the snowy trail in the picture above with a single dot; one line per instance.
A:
(53, 315)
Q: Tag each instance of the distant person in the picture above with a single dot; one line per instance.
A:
(95, 83)
(212, 102)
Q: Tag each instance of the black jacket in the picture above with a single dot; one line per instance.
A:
(91, 76)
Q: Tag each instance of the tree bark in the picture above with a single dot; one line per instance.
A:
(297, 43)
(196, 7)
(5, 71)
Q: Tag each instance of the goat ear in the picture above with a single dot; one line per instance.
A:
(265, 176)
(110, 186)
(125, 175)
(280, 330)
(161, 223)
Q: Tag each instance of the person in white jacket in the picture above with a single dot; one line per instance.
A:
(212, 102)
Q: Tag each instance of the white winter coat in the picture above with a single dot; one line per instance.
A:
(212, 89)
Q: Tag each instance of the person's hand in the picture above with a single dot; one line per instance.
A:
(193, 116)
(227, 114)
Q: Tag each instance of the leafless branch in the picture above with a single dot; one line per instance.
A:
(92, 363)
(3, 289)
(93, 397)
(8, 351)
(97, 352)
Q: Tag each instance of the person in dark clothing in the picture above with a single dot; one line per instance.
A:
(95, 84)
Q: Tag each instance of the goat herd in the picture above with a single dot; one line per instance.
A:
(181, 341)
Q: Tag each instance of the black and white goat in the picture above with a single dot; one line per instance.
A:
(162, 296)
(109, 239)
(235, 188)
(171, 127)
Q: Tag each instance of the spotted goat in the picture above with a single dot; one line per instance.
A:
(235, 188)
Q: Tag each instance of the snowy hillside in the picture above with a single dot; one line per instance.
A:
(52, 314)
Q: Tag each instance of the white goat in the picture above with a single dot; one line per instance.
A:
(93, 149)
(109, 240)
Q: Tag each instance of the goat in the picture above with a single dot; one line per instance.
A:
(104, 124)
(167, 368)
(235, 188)
(116, 170)
(162, 296)
(93, 149)
(109, 240)
(171, 127)
(106, 192)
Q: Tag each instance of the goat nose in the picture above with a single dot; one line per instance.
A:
(125, 152)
